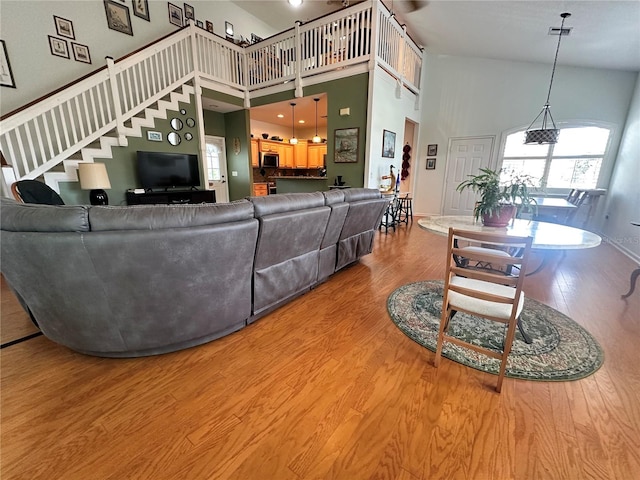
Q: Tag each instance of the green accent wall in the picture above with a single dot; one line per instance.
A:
(213, 123)
(349, 92)
(237, 127)
(122, 167)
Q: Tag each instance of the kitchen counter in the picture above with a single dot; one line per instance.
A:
(298, 177)
(295, 184)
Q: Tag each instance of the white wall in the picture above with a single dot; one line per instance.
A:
(388, 112)
(623, 199)
(464, 97)
(26, 24)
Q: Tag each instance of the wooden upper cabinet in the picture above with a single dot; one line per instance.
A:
(315, 155)
(285, 151)
(255, 159)
(300, 154)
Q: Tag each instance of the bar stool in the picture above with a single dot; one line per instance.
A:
(390, 216)
(405, 209)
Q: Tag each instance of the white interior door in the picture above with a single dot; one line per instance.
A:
(216, 164)
(466, 156)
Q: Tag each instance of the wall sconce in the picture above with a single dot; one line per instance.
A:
(228, 29)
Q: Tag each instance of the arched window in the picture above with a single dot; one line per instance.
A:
(573, 162)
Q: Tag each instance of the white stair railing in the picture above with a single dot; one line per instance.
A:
(41, 136)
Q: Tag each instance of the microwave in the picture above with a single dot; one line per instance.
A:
(270, 160)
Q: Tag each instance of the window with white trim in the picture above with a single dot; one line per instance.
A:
(573, 162)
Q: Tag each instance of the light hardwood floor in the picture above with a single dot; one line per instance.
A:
(327, 387)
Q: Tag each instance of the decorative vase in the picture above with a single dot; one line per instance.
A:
(265, 135)
(500, 218)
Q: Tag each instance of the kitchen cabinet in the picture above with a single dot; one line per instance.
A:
(300, 154)
(315, 155)
(255, 159)
(285, 151)
(269, 147)
(260, 189)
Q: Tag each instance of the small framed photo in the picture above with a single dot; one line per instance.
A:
(64, 27)
(118, 17)
(154, 136)
(80, 53)
(388, 144)
(6, 75)
(209, 26)
(199, 24)
(175, 15)
(59, 47)
(189, 12)
(431, 163)
(432, 150)
(141, 9)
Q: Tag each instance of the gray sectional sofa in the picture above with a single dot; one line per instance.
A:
(144, 280)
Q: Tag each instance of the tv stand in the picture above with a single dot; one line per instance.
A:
(171, 197)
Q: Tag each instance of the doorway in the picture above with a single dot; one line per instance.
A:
(216, 167)
(466, 156)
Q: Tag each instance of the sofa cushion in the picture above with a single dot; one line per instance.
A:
(286, 202)
(357, 194)
(29, 217)
(158, 217)
(333, 197)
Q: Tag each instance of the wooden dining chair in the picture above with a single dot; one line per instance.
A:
(484, 293)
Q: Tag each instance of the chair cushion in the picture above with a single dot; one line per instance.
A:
(484, 307)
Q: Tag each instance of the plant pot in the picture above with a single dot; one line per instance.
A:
(501, 218)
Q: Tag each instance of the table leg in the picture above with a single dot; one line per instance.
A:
(632, 281)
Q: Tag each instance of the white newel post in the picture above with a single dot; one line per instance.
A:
(115, 92)
(403, 45)
(298, 56)
(375, 34)
(197, 86)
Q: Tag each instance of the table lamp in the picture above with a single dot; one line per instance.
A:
(93, 176)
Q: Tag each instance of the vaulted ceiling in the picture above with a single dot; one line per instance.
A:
(606, 34)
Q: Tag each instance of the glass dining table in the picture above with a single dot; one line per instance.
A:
(547, 237)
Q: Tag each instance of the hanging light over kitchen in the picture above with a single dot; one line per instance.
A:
(316, 139)
(293, 139)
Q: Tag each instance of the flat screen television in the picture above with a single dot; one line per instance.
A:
(167, 170)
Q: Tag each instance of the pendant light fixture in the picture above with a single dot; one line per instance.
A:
(544, 135)
(293, 139)
(316, 139)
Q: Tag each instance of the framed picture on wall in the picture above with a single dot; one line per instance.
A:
(141, 9)
(431, 163)
(346, 145)
(81, 53)
(154, 136)
(64, 27)
(432, 150)
(209, 27)
(59, 47)
(6, 75)
(118, 17)
(388, 144)
(175, 15)
(189, 12)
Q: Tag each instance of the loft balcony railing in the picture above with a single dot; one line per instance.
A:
(41, 135)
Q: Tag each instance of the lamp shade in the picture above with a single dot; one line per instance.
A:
(93, 176)
(542, 136)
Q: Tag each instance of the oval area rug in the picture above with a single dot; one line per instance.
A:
(561, 349)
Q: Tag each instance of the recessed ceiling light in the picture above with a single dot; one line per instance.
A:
(300, 121)
(295, 3)
(280, 115)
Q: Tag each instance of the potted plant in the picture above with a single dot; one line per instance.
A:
(499, 202)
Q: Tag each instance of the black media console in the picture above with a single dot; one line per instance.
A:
(171, 197)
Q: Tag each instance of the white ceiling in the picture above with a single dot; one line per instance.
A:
(606, 34)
